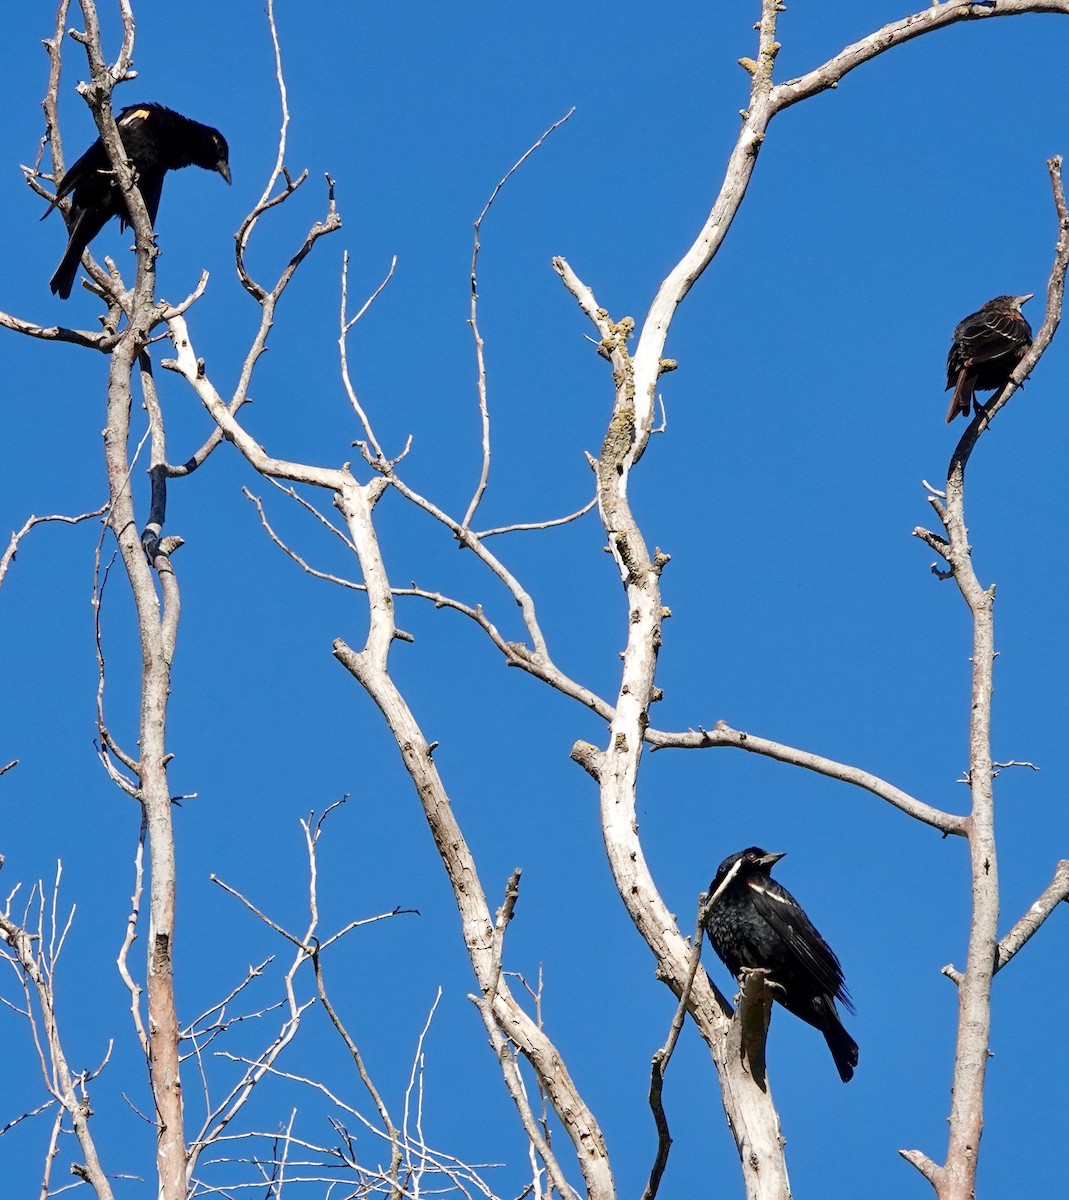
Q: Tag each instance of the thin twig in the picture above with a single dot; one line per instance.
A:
(663, 1056)
(346, 323)
(521, 527)
(392, 1132)
(473, 320)
(17, 535)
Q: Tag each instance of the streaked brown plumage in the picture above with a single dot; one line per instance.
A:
(987, 346)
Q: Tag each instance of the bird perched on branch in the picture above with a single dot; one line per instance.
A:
(986, 348)
(156, 140)
(754, 922)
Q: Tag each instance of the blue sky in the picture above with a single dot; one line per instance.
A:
(807, 407)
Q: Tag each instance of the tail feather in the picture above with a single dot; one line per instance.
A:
(964, 394)
(843, 1049)
(85, 227)
(63, 280)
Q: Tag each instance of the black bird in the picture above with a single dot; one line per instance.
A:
(156, 140)
(987, 346)
(757, 923)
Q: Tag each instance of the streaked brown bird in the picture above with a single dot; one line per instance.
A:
(987, 346)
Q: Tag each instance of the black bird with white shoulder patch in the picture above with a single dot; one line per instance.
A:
(156, 140)
(755, 922)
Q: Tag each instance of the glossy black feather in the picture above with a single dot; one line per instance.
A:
(985, 348)
(757, 923)
(156, 140)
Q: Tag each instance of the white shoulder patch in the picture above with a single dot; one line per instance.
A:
(765, 892)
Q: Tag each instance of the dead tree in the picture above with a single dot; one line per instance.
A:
(634, 351)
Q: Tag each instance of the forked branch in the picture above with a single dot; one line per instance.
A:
(955, 1179)
(35, 957)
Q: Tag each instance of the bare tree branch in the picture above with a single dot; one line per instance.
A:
(636, 371)
(38, 967)
(550, 524)
(157, 614)
(723, 735)
(751, 1114)
(266, 201)
(930, 1170)
(16, 537)
(122, 962)
(346, 323)
(104, 341)
(1056, 893)
(663, 1056)
(291, 553)
(938, 16)
(473, 320)
(955, 1180)
(392, 1132)
(192, 369)
(369, 668)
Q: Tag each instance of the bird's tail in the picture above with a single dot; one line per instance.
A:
(962, 400)
(843, 1048)
(82, 231)
(63, 280)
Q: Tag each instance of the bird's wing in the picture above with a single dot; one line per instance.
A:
(94, 160)
(131, 121)
(139, 121)
(812, 952)
(133, 113)
(997, 334)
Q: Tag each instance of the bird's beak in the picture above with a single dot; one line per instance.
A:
(223, 167)
(1024, 299)
(770, 859)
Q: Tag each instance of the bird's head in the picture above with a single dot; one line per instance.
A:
(756, 859)
(208, 149)
(221, 153)
(751, 861)
(1006, 303)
